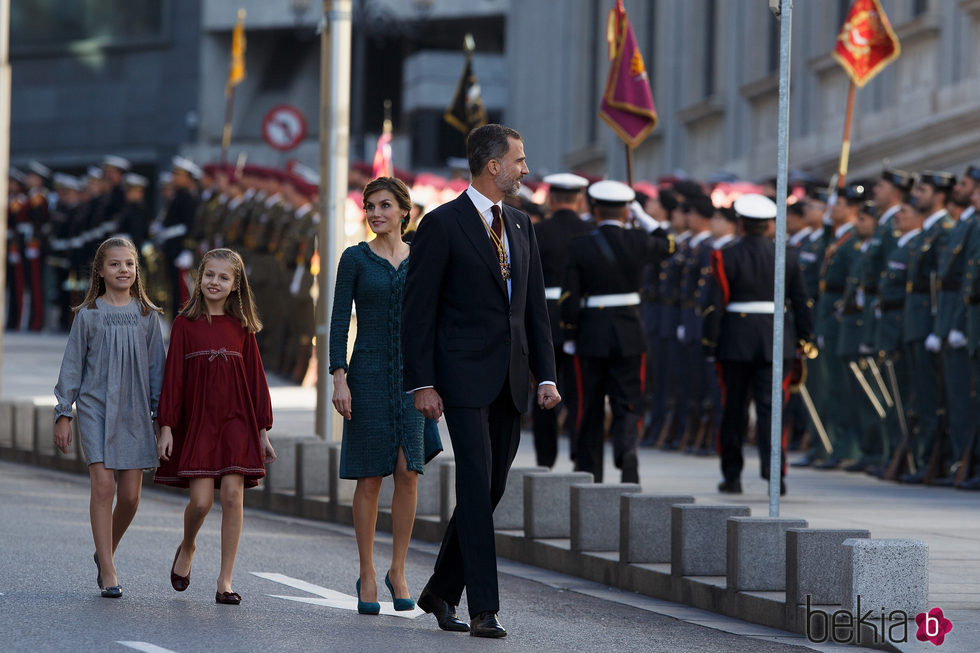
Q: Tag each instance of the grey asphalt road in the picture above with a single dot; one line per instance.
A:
(49, 600)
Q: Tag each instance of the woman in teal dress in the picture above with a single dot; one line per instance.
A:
(382, 428)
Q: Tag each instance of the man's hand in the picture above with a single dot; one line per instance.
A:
(429, 403)
(548, 396)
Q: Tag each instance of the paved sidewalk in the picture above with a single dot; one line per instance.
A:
(948, 520)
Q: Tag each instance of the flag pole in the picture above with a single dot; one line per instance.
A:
(235, 74)
(845, 148)
(226, 132)
(629, 165)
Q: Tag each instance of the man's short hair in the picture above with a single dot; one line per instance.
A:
(487, 143)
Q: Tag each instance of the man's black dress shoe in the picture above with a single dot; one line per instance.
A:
(829, 463)
(913, 479)
(970, 484)
(445, 613)
(486, 624)
(857, 466)
(805, 461)
(730, 487)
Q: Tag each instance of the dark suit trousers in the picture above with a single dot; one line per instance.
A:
(545, 422)
(744, 381)
(484, 444)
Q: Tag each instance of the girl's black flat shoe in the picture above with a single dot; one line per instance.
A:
(113, 592)
(227, 598)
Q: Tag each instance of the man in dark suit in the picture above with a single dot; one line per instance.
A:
(475, 329)
(600, 311)
(554, 235)
(738, 331)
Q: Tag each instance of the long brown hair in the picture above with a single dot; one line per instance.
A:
(96, 286)
(240, 304)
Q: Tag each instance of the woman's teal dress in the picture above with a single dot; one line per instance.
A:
(383, 415)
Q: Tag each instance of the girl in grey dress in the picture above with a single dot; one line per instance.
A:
(112, 372)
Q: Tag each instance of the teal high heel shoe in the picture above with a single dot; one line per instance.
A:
(401, 605)
(366, 607)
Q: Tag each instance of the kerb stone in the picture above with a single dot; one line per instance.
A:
(644, 531)
(594, 515)
(814, 559)
(756, 553)
(698, 538)
(509, 513)
(547, 501)
(889, 574)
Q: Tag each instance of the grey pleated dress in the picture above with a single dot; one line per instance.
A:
(113, 371)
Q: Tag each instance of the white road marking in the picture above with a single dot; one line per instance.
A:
(146, 647)
(328, 597)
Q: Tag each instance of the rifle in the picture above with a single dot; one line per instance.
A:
(876, 373)
(811, 409)
(903, 449)
(868, 392)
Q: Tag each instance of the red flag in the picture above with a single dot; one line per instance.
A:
(866, 42)
(627, 104)
(382, 166)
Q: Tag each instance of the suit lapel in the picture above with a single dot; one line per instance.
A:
(519, 247)
(472, 224)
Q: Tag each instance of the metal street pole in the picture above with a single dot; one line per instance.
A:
(335, 59)
(4, 148)
(785, 17)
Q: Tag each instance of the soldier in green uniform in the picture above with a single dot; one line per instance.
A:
(834, 268)
(853, 313)
(971, 297)
(296, 251)
(811, 251)
(950, 325)
(889, 313)
(931, 194)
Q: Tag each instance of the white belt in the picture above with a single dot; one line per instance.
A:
(552, 293)
(612, 301)
(174, 231)
(767, 308)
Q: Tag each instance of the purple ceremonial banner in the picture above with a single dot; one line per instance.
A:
(627, 104)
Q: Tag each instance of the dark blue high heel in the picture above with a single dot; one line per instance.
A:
(401, 605)
(366, 607)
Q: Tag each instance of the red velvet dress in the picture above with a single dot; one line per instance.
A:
(215, 399)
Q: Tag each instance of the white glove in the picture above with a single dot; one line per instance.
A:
(568, 347)
(184, 260)
(681, 332)
(956, 339)
(642, 217)
(865, 350)
(933, 343)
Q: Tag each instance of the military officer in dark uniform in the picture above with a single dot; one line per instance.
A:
(177, 225)
(971, 297)
(600, 311)
(565, 202)
(134, 218)
(738, 331)
(931, 194)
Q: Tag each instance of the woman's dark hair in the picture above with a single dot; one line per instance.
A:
(487, 143)
(397, 188)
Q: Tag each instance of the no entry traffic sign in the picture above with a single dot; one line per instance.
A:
(283, 127)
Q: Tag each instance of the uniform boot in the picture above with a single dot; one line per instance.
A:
(630, 470)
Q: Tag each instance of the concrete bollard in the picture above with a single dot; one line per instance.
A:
(429, 491)
(44, 430)
(447, 490)
(547, 501)
(280, 476)
(387, 492)
(889, 574)
(341, 489)
(594, 515)
(644, 531)
(313, 468)
(24, 426)
(814, 559)
(6, 424)
(698, 537)
(756, 552)
(509, 513)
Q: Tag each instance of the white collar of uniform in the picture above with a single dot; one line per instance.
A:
(303, 210)
(967, 213)
(610, 223)
(721, 241)
(887, 215)
(843, 229)
(816, 234)
(680, 238)
(798, 237)
(271, 200)
(481, 202)
(907, 236)
(699, 238)
(235, 202)
(933, 219)
(249, 193)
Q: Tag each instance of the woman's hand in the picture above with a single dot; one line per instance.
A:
(62, 433)
(341, 393)
(267, 450)
(165, 443)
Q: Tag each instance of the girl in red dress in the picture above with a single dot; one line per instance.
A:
(215, 411)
